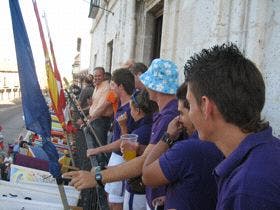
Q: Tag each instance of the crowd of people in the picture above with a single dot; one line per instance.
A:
(24, 151)
(201, 145)
(7, 156)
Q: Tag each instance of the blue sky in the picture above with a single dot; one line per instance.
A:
(67, 20)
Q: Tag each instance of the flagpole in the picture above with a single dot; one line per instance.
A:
(54, 95)
(68, 136)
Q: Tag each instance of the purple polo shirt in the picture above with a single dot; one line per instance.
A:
(161, 121)
(143, 130)
(249, 178)
(189, 165)
(130, 123)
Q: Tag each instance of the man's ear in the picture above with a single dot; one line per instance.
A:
(206, 107)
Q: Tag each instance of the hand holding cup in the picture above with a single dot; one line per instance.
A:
(129, 146)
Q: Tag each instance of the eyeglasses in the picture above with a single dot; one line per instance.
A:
(134, 99)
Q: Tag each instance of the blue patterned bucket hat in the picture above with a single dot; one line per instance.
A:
(161, 76)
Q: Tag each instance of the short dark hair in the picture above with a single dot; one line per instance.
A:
(124, 77)
(233, 82)
(89, 78)
(181, 94)
(100, 68)
(138, 68)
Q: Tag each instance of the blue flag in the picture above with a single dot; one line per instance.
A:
(36, 112)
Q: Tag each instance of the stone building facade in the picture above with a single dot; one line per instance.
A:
(9, 85)
(175, 29)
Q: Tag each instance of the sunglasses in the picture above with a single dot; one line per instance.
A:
(134, 99)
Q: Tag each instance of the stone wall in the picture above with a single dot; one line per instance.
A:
(188, 27)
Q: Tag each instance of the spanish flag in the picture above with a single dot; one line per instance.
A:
(62, 101)
(54, 81)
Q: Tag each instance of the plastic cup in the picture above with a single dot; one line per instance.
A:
(129, 143)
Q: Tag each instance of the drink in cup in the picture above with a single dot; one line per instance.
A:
(129, 145)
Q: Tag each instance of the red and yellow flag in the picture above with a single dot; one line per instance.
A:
(55, 90)
(62, 100)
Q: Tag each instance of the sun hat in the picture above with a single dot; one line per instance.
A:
(161, 76)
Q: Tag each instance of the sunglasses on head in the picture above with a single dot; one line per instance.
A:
(134, 99)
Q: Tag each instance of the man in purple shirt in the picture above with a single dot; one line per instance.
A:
(161, 81)
(185, 167)
(226, 93)
(122, 84)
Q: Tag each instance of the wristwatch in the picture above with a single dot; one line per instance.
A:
(168, 139)
(98, 175)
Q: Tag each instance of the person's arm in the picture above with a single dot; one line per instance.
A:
(114, 146)
(122, 120)
(84, 179)
(82, 97)
(151, 166)
(88, 104)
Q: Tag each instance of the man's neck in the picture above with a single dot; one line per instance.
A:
(124, 98)
(163, 100)
(229, 138)
(100, 84)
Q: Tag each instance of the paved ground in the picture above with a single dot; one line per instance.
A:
(11, 121)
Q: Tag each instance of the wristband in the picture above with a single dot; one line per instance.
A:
(168, 139)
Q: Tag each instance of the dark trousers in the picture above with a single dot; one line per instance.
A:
(101, 127)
